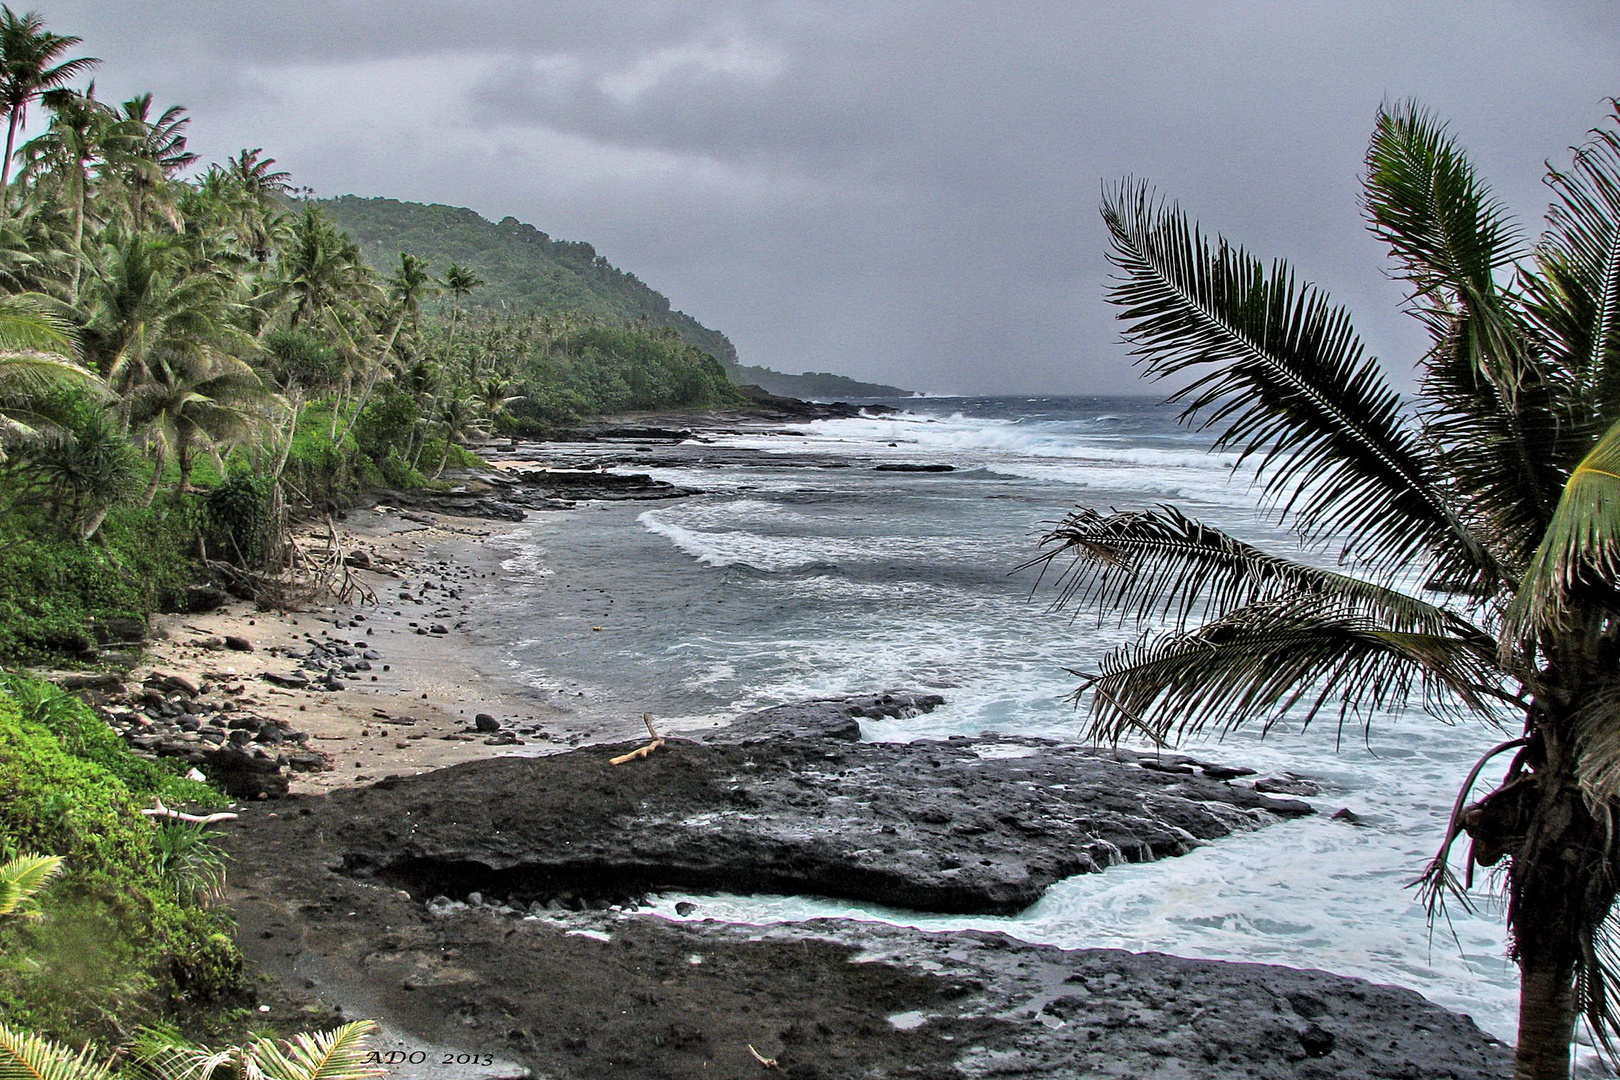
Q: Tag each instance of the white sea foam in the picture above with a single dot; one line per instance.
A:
(714, 546)
(1013, 437)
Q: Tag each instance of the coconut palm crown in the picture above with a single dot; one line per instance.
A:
(1496, 490)
(31, 64)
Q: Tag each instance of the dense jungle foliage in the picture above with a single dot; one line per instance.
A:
(526, 270)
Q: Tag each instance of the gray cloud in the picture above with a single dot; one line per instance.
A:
(902, 191)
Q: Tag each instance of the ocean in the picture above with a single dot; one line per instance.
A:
(805, 571)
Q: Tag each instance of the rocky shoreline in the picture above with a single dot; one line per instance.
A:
(490, 907)
(786, 801)
(421, 845)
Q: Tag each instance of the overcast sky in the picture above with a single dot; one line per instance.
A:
(904, 191)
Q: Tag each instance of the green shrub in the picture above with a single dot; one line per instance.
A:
(119, 940)
(56, 591)
(244, 521)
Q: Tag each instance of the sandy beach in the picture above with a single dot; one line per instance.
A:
(415, 708)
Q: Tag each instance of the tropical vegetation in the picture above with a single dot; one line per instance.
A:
(131, 930)
(1476, 525)
(189, 355)
(159, 1053)
(168, 330)
(525, 270)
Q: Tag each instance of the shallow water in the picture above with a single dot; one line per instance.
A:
(787, 583)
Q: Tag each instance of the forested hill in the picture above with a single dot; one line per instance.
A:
(523, 268)
(526, 270)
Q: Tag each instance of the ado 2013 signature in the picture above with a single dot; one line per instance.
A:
(421, 1057)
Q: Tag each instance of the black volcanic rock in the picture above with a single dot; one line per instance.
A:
(599, 484)
(602, 993)
(831, 718)
(784, 802)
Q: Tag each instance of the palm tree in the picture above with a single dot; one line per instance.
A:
(149, 154)
(493, 393)
(323, 277)
(145, 294)
(1501, 485)
(30, 65)
(255, 189)
(82, 130)
(192, 400)
(459, 282)
(455, 415)
(255, 175)
(407, 286)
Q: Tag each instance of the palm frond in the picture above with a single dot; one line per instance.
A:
(339, 1054)
(1596, 729)
(23, 877)
(1145, 562)
(163, 1054)
(1259, 662)
(1490, 400)
(1598, 988)
(1281, 374)
(1575, 297)
(24, 1056)
(1445, 229)
(23, 375)
(31, 323)
(37, 350)
(1579, 554)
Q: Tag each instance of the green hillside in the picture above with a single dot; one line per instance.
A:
(524, 269)
(812, 385)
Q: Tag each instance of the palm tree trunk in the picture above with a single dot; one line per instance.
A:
(78, 247)
(157, 476)
(297, 401)
(185, 458)
(371, 381)
(1560, 889)
(5, 167)
(90, 524)
(1546, 1018)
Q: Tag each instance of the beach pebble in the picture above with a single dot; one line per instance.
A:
(485, 722)
(237, 643)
